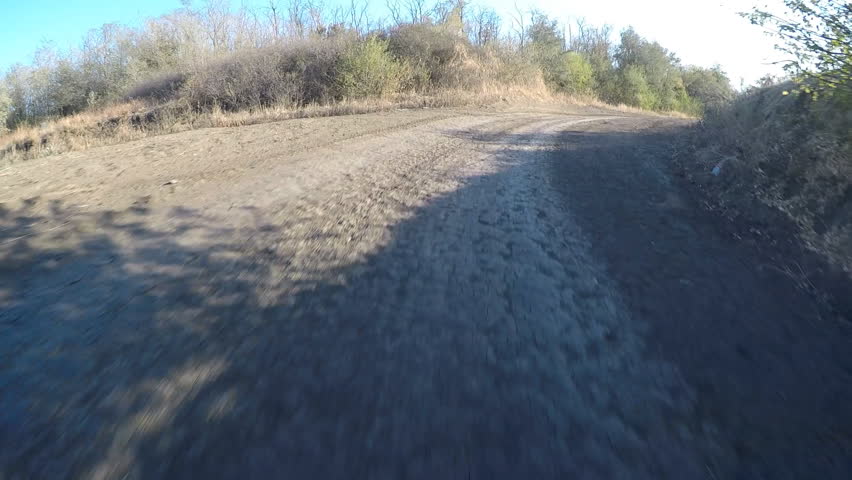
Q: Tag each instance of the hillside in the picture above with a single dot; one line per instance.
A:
(784, 165)
(197, 67)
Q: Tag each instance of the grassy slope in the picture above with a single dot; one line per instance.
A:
(129, 121)
(133, 120)
(785, 154)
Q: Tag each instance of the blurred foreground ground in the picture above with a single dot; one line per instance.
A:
(415, 294)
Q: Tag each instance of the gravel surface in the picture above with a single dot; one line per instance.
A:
(415, 294)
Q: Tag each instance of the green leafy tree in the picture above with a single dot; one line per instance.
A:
(595, 44)
(710, 86)
(650, 75)
(368, 69)
(817, 34)
(545, 45)
(576, 75)
(635, 89)
(544, 37)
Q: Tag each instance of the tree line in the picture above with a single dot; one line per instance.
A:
(301, 51)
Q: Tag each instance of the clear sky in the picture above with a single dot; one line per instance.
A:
(700, 32)
(25, 24)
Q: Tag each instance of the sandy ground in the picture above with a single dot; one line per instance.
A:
(413, 294)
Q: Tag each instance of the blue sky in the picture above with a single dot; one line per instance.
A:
(25, 24)
(700, 32)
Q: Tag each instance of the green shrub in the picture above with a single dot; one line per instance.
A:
(708, 85)
(595, 44)
(367, 69)
(687, 104)
(650, 77)
(816, 37)
(574, 74)
(636, 91)
(544, 39)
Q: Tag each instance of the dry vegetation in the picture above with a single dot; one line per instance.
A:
(216, 66)
(133, 120)
(786, 149)
(789, 152)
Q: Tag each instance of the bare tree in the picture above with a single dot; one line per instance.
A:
(273, 16)
(248, 31)
(395, 11)
(451, 14)
(215, 16)
(483, 25)
(408, 11)
(337, 17)
(358, 17)
(316, 17)
(519, 25)
(442, 9)
(594, 42)
(297, 18)
(416, 10)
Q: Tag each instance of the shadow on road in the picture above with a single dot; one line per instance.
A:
(171, 350)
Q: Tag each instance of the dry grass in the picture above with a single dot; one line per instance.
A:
(790, 154)
(300, 79)
(75, 132)
(594, 102)
(293, 80)
(219, 118)
(107, 126)
(137, 119)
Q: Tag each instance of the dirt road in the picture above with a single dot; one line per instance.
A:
(416, 294)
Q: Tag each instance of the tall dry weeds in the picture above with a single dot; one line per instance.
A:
(791, 153)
